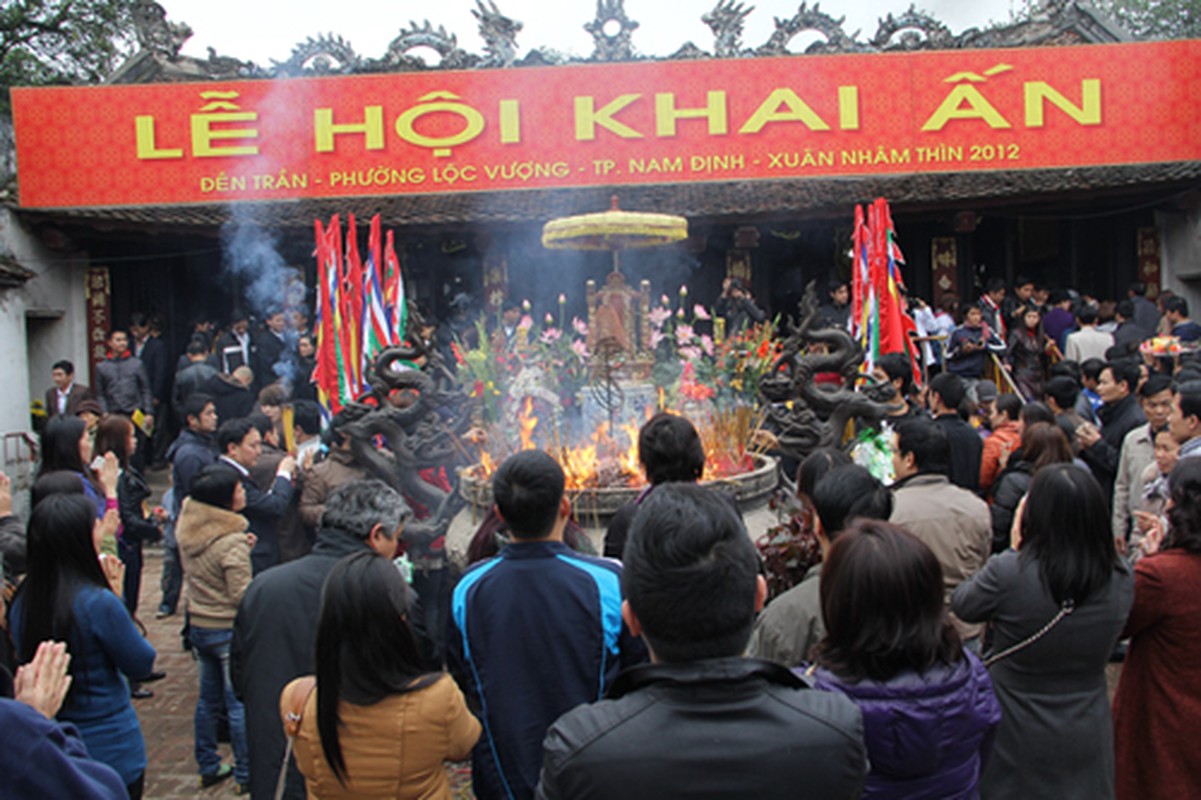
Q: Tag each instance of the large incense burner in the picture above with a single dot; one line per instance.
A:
(594, 506)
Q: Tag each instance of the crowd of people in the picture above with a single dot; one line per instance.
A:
(952, 641)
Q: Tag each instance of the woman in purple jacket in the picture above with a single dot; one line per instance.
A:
(928, 706)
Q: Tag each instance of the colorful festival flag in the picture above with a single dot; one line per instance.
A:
(879, 320)
(361, 309)
(396, 305)
(374, 337)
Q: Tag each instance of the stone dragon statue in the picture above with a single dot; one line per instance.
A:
(421, 416)
(817, 417)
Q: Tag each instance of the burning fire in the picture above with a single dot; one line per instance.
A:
(605, 460)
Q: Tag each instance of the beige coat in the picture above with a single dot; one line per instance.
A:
(1137, 454)
(216, 562)
(953, 522)
(394, 748)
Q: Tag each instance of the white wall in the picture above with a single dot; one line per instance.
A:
(1180, 235)
(54, 299)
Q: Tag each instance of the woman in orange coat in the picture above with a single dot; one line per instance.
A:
(377, 724)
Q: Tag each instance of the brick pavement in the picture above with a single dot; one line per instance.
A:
(167, 717)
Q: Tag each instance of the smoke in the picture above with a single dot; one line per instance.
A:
(251, 256)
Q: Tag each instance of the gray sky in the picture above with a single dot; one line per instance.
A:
(269, 29)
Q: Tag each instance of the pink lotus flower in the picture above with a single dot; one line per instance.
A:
(690, 353)
(707, 344)
(684, 334)
(580, 349)
(663, 301)
(658, 316)
(699, 312)
(580, 326)
(549, 319)
(656, 337)
(551, 335)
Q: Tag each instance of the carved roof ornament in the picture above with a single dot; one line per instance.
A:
(917, 31)
(324, 54)
(155, 33)
(726, 21)
(612, 32)
(1054, 22)
(229, 68)
(811, 19)
(499, 34)
(445, 44)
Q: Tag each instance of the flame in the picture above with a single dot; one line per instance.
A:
(487, 463)
(628, 458)
(611, 459)
(528, 422)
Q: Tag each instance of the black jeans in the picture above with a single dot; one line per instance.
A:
(130, 553)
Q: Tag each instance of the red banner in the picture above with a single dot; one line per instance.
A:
(610, 124)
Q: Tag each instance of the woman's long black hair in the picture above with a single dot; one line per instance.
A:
(61, 560)
(1065, 527)
(365, 648)
(60, 449)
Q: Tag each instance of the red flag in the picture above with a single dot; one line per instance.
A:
(325, 373)
(352, 298)
(895, 322)
(860, 276)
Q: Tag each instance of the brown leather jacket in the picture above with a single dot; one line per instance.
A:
(323, 478)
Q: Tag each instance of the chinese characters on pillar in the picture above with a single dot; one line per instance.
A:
(98, 298)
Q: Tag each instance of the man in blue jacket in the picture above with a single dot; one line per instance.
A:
(535, 631)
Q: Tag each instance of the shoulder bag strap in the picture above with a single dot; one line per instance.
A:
(1064, 610)
(291, 706)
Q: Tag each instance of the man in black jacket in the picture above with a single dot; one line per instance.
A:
(947, 393)
(275, 631)
(739, 727)
(1119, 414)
(152, 351)
(270, 346)
(240, 445)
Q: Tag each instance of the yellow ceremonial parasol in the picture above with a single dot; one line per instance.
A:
(614, 230)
